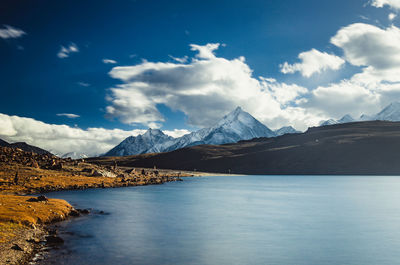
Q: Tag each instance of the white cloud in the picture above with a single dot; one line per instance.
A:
(375, 49)
(68, 115)
(184, 59)
(61, 139)
(344, 97)
(84, 84)
(391, 3)
(312, 62)
(392, 16)
(9, 32)
(109, 61)
(206, 51)
(204, 89)
(283, 93)
(176, 132)
(65, 51)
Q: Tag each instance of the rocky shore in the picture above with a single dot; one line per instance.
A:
(24, 220)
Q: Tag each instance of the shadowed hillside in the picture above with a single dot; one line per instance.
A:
(25, 147)
(352, 148)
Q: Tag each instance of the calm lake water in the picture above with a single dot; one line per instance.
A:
(238, 220)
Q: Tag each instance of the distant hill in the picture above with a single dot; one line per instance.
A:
(25, 147)
(4, 143)
(352, 148)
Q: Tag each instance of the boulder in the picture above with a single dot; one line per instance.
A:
(17, 247)
(53, 239)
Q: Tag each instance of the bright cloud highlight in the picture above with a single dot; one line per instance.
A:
(313, 62)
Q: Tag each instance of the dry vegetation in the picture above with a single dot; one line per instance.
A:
(23, 219)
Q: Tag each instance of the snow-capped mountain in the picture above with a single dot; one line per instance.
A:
(236, 126)
(74, 155)
(286, 130)
(389, 113)
(345, 119)
(365, 117)
(150, 142)
(328, 122)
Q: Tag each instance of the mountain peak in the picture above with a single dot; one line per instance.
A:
(153, 132)
(346, 118)
(390, 112)
(286, 130)
(233, 115)
(238, 109)
(237, 125)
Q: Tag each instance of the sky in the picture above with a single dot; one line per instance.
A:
(83, 75)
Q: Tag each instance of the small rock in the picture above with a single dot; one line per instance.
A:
(42, 198)
(33, 240)
(74, 213)
(17, 247)
(53, 231)
(83, 211)
(54, 239)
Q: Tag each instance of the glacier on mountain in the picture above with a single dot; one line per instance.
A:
(236, 126)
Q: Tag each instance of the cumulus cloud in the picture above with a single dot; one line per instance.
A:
(65, 51)
(9, 32)
(184, 59)
(109, 61)
(368, 45)
(392, 16)
(312, 62)
(204, 89)
(283, 93)
(391, 3)
(61, 139)
(344, 97)
(374, 49)
(68, 115)
(205, 51)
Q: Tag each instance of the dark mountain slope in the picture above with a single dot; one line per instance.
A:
(4, 143)
(25, 147)
(351, 148)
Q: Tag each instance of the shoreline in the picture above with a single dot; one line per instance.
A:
(30, 236)
(25, 221)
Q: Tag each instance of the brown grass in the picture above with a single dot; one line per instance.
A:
(18, 210)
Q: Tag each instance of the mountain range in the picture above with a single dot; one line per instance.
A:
(389, 113)
(236, 126)
(365, 148)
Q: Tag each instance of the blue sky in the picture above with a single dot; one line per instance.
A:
(42, 81)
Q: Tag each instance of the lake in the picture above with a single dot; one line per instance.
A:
(238, 220)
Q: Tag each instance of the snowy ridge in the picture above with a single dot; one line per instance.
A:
(389, 113)
(74, 155)
(345, 119)
(236, 126)
(151, 141)
(286, 130)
